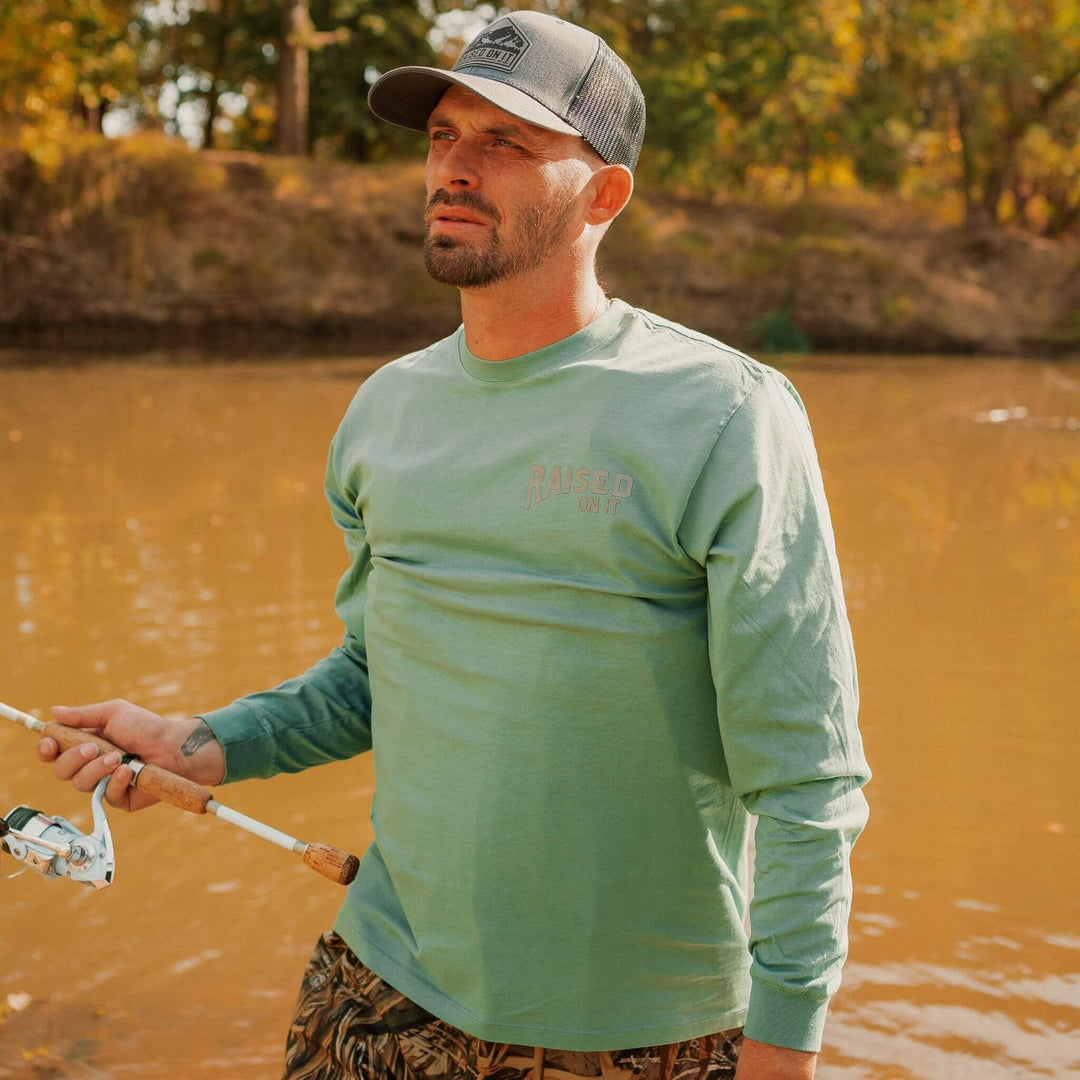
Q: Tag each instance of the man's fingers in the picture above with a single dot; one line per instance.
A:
(85, 715)
(139, 801)
(71, 761)
(84, 766)
(122, 795)
(89, 776)
(117, 793)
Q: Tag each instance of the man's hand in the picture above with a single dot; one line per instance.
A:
(186, 747)
(760, 1061)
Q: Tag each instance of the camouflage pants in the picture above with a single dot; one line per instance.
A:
(351, 1025)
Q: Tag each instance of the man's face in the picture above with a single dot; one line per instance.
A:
(503, 195)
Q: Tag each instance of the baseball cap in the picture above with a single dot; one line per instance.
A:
(539, 68)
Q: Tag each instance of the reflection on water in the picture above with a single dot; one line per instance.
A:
(163, 537)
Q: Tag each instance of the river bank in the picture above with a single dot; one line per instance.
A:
(143, 243)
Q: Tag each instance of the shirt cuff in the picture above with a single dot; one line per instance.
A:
(782, 1018)
(248, 742)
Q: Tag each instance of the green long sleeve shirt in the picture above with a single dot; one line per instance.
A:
(594, 622)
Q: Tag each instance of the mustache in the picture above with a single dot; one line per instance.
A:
(467, 200)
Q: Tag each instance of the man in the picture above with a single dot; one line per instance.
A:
(594, 622)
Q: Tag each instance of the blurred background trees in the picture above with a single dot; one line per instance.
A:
(974, 104)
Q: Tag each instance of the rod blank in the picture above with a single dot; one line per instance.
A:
(20, 717)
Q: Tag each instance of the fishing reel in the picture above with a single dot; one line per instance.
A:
(54, 848)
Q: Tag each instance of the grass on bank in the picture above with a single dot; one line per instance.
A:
(146, 234)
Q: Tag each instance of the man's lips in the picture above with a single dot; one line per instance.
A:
(455, 218)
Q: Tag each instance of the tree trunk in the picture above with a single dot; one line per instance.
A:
(974, 209)
(292, 88)
(804, 156)
(221, 55)
(91, 115)
(356, 142)
(211, 116)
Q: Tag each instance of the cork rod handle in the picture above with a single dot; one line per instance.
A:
(155, 781)
(336, 865)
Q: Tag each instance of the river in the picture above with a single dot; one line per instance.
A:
(163, 537)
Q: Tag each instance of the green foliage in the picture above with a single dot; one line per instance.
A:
(777, 332)
(977, 97)
(974, 104)
(897, 309)
(209, 258)
(63, 63)
(734, 87)
(382, 34)
(218, 48)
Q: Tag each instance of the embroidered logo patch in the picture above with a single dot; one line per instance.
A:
(500, 47)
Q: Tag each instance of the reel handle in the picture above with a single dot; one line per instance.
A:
(155, 781)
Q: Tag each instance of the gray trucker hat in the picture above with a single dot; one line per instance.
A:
(540, 69)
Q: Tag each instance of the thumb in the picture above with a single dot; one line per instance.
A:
(84, 715)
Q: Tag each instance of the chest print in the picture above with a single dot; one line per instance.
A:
(598, 491)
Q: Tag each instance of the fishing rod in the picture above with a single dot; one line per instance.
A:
(55, 848)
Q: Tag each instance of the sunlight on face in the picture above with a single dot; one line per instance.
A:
(502, 194)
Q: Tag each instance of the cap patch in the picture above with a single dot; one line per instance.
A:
(500, 47)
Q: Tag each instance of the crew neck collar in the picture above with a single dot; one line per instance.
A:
(522, 367)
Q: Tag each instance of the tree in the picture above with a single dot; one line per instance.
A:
(281, 84)
(217, 49)
(957, 87)
(64, 62)
(298, 38)
(382, 34)
(733, 86)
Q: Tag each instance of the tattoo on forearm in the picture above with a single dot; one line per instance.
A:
(199, 737)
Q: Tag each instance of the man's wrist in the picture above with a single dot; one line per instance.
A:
(199, 755)
(762, 1061)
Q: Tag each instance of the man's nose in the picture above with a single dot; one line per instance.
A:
(458, 167)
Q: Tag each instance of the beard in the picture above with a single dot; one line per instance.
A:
(537, 233)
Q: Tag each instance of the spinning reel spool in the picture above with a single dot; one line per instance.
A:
(55, 848)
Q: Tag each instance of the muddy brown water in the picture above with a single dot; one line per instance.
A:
(163, 537)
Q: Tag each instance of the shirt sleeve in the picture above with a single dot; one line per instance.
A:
(324, 714)
(787, 696)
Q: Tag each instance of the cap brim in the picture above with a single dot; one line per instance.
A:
(406, 96)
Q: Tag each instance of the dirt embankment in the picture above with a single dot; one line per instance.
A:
(146, 243)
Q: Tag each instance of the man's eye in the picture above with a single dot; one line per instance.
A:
(507, 142)
(440, 135)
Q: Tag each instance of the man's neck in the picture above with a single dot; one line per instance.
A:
(526, 313)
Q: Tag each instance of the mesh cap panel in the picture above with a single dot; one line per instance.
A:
(609, 110)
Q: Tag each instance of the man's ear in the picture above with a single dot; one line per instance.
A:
(612, 187)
